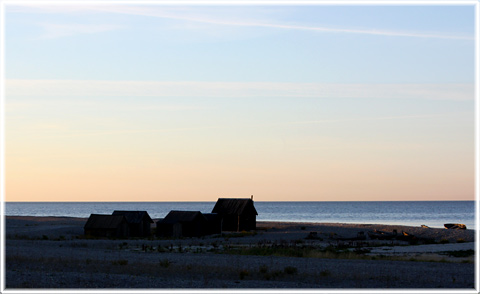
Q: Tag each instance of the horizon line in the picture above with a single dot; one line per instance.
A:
(242, 198)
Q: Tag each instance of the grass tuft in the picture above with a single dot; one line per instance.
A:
(164, 263)
(120, 262)
(325, 273)
(290, 270)
(243, 273)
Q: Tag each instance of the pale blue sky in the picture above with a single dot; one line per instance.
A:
(177, 43)
(197, 102)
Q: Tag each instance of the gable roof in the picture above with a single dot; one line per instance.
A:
(234, 206)
(178, 216)
(132, 216)
(104, 221)
(211, 216)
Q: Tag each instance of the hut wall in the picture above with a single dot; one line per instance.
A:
(194, 228)
(122, 231)
(164, 230)
(248, 222)
(183, 229)
(134, 230)
(141, 229)
(230, 222)
(213, 226)
(146, 228)
(170, 230)
(177, 230)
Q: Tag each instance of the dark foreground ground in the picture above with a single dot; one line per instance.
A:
(51, 253)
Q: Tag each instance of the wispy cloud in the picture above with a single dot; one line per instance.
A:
(54, 130)
(68, 133)
(238, 22)
(55, 31)
(200, 14)
(85, 88)
(379, 118)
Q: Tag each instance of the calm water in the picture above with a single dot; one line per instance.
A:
(414, 213)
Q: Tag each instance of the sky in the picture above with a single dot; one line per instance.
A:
(123, 102)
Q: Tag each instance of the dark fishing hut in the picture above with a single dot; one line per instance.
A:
(138, 222)
(237, 214)
(182, 224)
(101, 225)
(214, 223)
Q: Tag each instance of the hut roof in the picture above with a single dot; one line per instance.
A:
(132, 216)
(234, 206)
(211, 216)
(104, 221)
(177, 216)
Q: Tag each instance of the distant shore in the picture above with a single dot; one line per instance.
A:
(50, 252)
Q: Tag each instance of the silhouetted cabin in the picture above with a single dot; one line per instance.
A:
(101, 225)
(237, 214)
(214, 224)
(182, 224)
(138, 222)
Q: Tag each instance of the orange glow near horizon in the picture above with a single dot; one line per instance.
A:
(52, 175)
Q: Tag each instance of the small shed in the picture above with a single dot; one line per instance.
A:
(105, 225)
(237, 214)
(139, 222)
(182, 224)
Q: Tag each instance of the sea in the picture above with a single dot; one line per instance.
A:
(410, 213)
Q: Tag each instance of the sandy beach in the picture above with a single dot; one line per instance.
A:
(51, 252)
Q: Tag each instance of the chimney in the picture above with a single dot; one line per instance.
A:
(251, 197)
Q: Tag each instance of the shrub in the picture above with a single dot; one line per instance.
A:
(325, 273)
(164, 263)
(276, 273)
(120, 262)
(263, 269)
(243, 274)
(290, 270)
